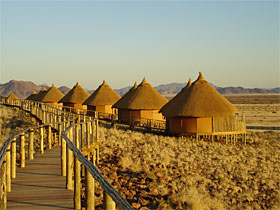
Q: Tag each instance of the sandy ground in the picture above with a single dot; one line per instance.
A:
(260, 114)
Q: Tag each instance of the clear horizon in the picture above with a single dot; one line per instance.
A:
(233, 43)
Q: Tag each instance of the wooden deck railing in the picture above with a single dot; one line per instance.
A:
(73, 132)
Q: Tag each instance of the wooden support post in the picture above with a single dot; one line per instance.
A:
(96, 139)
(8, 168)
(13, 158)
(3, 186)
(92, 131)
(77, 175)
(108, 202)
(49, 137)
(77, 137)
(59, 134)
(69, 163)
(82, 135)
(90, 189)
(63, 153)
(31, 144)
(88, 133)
(22, 150)
(42, 140)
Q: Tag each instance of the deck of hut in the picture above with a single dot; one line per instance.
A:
(39, 185)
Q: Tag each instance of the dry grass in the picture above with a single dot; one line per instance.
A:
(13, 120)
(157, 172)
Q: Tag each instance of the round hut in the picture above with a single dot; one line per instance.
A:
(144, 103)
(32, 96)
(75, 98)
(52, 96)
(200, 109)
(12, 96)
(122, 104)
(101, 100)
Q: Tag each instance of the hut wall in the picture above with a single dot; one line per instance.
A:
(182, 125)
(204, 125)
(54, 104)
(126, 115)
(75, 106)
(189, 125)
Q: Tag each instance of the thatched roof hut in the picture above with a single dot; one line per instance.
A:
(12, 96)
(199, 100)
(123, 102)
(53, 95)
(104, 95)
(40, 95)
(75, 97)
(140, 104)
(146, 97)
(32, 96)
(200, 109)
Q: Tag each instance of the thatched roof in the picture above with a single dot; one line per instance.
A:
(199, 100)
(32, 96)
(146, 97)
(77, 95)
(123, 102)
(12, 96)
(52, 95)
(104, 95)
(40, 95)
(173, 102)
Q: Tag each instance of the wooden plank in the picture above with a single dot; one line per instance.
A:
(39, 185)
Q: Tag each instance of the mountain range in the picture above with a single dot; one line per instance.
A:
(22, 89)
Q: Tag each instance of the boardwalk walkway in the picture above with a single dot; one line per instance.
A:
(39, 185)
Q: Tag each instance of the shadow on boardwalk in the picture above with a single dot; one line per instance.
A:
(39, 185)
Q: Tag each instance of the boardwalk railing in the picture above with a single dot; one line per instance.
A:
(73, 132)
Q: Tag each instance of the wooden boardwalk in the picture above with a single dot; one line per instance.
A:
(39, 185)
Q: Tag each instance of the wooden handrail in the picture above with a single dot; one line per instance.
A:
(55, 118)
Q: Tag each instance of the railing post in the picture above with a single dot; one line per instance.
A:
(90, 189)
(3, 186)
(77, 175)
(108, 202)
(49, 137)
(96, 139)
(42, 140)
(22, 150)
(59, 134)
(63, 152)
(82, 135)
(8, 168)
(13, 158)
(69, 154)
(88, 133)
(31, 144)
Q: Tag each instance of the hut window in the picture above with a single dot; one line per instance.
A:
(181, 123)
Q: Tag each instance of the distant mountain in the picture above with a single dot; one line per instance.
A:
(22, 89)
(64, 89)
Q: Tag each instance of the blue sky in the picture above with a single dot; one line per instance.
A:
(234, 43)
